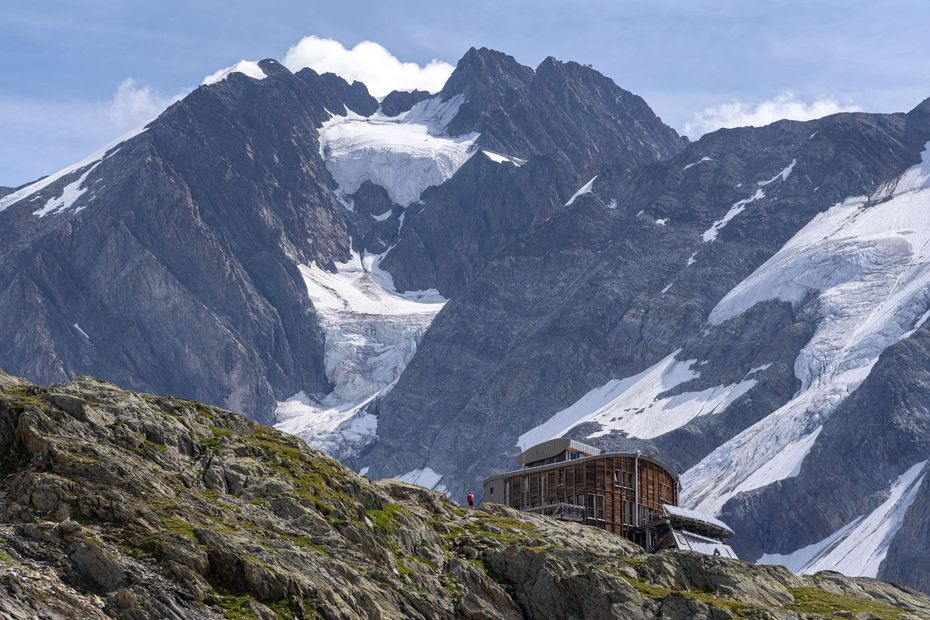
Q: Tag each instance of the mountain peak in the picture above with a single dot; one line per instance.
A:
(270, 66)
(918, 121)
(922, 107)
(482, 68)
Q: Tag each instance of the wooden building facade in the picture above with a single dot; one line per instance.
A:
(619, 492)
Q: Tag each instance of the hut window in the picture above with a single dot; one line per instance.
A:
(491, 491)
(591, 506)
(628, 513)
(561, 476)
(600, 507)
(623, 478)
(542, 487)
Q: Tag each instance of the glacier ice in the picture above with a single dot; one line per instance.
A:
(865, 263)
(371, 333)
(426, 478)
(404, 154)
(859, 547)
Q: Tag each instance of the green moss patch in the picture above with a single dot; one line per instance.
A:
(816, 601)
(23, 397)
(387, 519)
(737, 608)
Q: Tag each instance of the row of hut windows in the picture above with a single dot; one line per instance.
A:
(622, 478)
(595, 510)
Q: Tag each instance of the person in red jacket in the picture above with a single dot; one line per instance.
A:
(471, 499)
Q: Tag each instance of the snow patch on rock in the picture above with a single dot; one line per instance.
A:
(246, 67)
(700, 161)
(783, 175)
(503, 159)
(70, 193)
(738, 207)
(584, 189)
(636, 405)
(91, 160)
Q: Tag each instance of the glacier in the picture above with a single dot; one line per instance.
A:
(859, 547)
(426, 478)
(371, 333)
(404, 154)
(865, 266)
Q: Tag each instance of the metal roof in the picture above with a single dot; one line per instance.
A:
(559, 464)
(702, 544)
(691, 515)
(553, 447)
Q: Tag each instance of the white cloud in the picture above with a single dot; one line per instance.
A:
(133, 104)
(42, 136)
(369, 63)
(741, 114)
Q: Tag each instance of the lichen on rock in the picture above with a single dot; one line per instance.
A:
(126, 505)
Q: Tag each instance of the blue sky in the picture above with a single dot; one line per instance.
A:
(77, 74)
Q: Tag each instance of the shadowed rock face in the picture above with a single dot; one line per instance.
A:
(124, 505)
(562, 109)
(398, 101)
(180, 276)
(565, 119)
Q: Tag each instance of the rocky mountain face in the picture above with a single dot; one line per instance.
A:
(183, 238)
(117, 504)
(398, 101)
(550, 129)
(424, 285)
(169, 261)
(750, 310)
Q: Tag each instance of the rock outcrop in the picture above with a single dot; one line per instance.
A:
(126, 505)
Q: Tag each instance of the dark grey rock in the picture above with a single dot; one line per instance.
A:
(577, 301)
(398, 101)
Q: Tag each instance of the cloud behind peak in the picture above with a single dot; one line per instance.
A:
(367, 62)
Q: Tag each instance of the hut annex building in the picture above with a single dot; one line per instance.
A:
(629, 494)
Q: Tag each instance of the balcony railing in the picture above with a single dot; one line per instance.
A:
(566, 512)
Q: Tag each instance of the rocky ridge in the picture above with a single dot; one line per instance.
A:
(126, 505)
